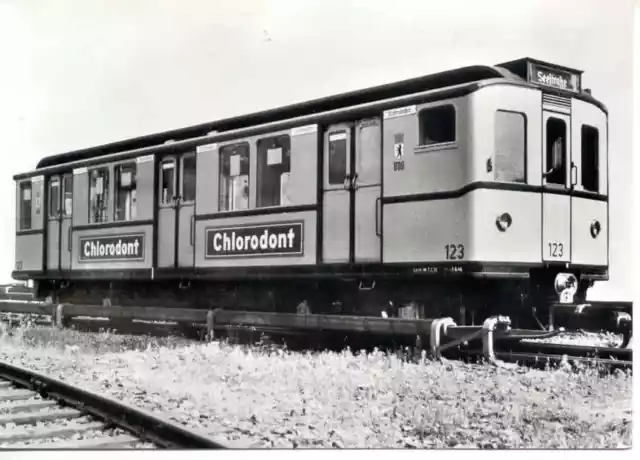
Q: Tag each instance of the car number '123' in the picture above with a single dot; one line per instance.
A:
(556, 249)
(454, 251)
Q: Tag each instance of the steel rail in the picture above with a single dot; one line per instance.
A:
(145, 426)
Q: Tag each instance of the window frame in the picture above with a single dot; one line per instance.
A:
(525, 150)
(442, 144)
(116, 167)
(274, 138)
(221, 149)
(105, 210)
(596, 157)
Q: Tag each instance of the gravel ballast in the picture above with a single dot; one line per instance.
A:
(253, 398)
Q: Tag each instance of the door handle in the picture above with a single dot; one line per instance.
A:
(69, 240)
(378, 215)
(574, 172)
(192, 230)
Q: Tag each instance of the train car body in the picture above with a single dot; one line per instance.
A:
(479, 183)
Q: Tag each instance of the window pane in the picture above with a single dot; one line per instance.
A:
(556, 144)
(590, 160)
(274, 170)
(510, 147)
(438, 125)
(125, 191)
(98, 195)
(25, 205)
(54, 197)
(337, 158)
(167, 181)
(189, 178)
(67, 190)
(234, 177)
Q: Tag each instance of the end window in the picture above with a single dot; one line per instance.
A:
(510, 147)
(590, 160)
(25, 206)
(125, 191)
(437, 125)
(98, 195)
(234, 177)
(274, 171)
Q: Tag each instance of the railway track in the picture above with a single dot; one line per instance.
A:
(501, 343)
(492, 341)
(37, 411)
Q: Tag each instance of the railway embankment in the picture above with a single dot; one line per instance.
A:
(274, 398)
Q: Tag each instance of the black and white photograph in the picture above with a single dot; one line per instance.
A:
(320, 225)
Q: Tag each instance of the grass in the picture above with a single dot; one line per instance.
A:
(274, 398)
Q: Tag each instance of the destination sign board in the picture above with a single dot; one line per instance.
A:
(553, 78)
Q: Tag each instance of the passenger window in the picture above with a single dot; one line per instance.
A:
(25, 205)
(125, 191)
(437, 125)
(54, 197)
(67, 193)
(590, 160)
(510, 147)
(98, 195)
(337, 158)
(167, 181)
(189, 177)
(234, 177)
(556, 147)
(274, 171)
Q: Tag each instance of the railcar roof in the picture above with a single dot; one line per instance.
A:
(424, 83)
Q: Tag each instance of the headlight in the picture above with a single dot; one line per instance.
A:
(566, 281)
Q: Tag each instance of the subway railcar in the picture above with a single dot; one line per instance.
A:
(468, 192)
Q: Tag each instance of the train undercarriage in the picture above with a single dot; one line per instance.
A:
(535, 303)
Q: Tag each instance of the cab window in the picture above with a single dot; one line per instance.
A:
(590, 161)
(510, 147)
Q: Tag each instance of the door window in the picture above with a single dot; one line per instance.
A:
(167, 181)
(337, 158)
(188, 191)
(25, 205)
(54, 197)
(556, 148)
(67, 193)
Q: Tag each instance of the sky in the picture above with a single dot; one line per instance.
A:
(78, 73)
